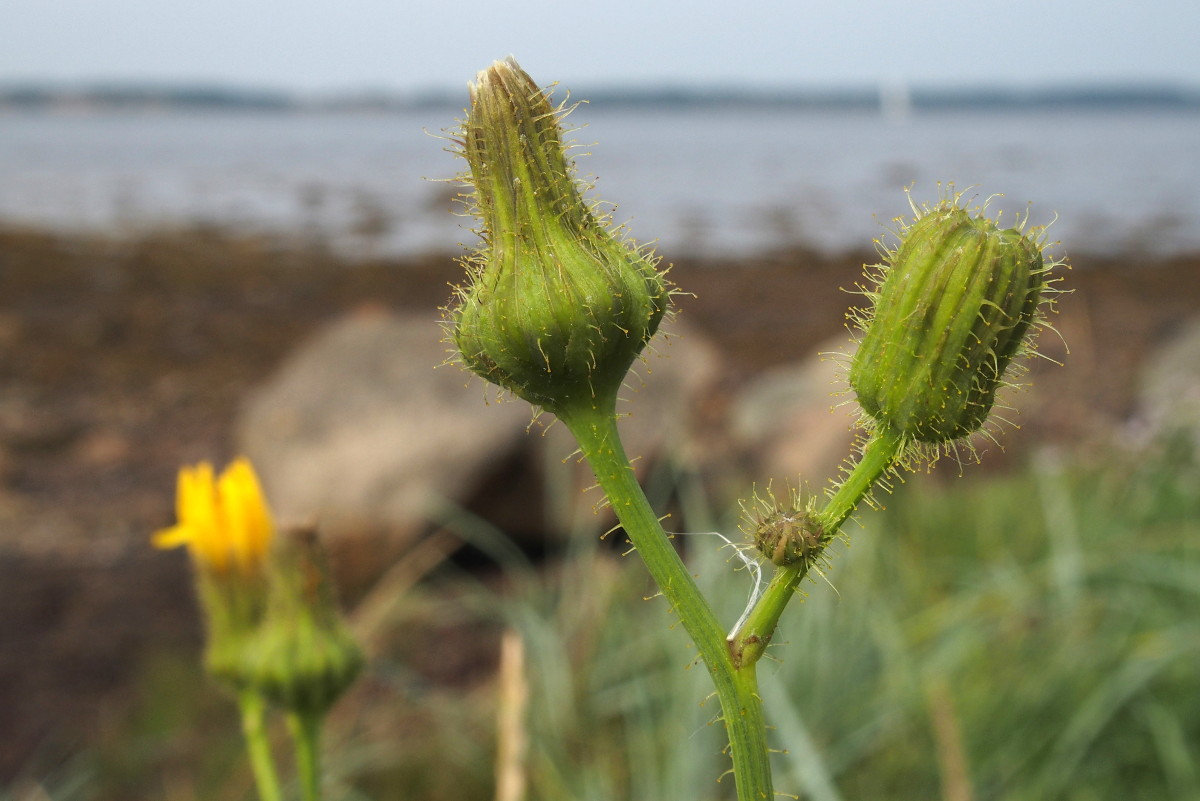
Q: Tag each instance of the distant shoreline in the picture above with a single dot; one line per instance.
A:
(320, 250)
(888, 98)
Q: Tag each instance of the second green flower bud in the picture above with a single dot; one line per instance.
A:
(954, 304)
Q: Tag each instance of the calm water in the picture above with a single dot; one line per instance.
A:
(695, 180)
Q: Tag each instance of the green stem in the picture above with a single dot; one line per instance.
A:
(751, 640)
(306, 733)
(594, 426)
(879, 454)
(253, 708)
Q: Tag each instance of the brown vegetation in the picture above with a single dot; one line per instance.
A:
(122, 359)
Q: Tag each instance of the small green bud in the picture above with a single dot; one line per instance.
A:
(788, 538)
(558, 305)
(785, 532)
(955, 302)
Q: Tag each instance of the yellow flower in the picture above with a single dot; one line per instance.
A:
(224, 522)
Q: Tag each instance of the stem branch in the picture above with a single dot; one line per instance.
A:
(306, 733)
(749, 643)
(594, 426)
(258, 747)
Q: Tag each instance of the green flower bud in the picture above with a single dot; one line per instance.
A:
(955, 302)
(788, 538)
(785, 532)
(558, 305)
(303, 657)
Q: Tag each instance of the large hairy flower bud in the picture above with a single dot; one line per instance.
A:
(558, 305)
(954, 304)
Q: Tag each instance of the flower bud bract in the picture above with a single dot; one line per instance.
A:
(953, 305)
(303, 656)
(558, 305)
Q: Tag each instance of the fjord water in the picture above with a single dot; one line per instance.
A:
(696, 180)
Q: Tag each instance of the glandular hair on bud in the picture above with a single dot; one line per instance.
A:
(952, 306)
(558, 305)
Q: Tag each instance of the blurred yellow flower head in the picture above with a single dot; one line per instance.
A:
(225, 522)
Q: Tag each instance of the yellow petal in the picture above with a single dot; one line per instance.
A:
(223, 521)
(246, 518)
(173, 537)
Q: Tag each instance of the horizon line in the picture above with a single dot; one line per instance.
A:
(212, 94)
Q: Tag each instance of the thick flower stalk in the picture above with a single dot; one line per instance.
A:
(558, 304)
(557, 309)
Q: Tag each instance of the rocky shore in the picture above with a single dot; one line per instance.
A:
(121, 359)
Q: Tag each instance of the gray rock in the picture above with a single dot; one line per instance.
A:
(1169, 390)
(797, 421)
(361, 429)
(367, 424)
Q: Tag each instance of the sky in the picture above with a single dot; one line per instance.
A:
(320, 46)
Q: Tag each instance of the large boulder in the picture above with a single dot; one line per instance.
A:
(796, 422)
(367, 424)
(366, 427)
(1169, 389)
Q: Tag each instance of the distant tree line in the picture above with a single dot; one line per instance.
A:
(131, 97)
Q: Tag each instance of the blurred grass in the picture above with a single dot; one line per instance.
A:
(1029, 635)
(1050, 616)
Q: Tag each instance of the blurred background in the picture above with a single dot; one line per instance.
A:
(229, 228)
